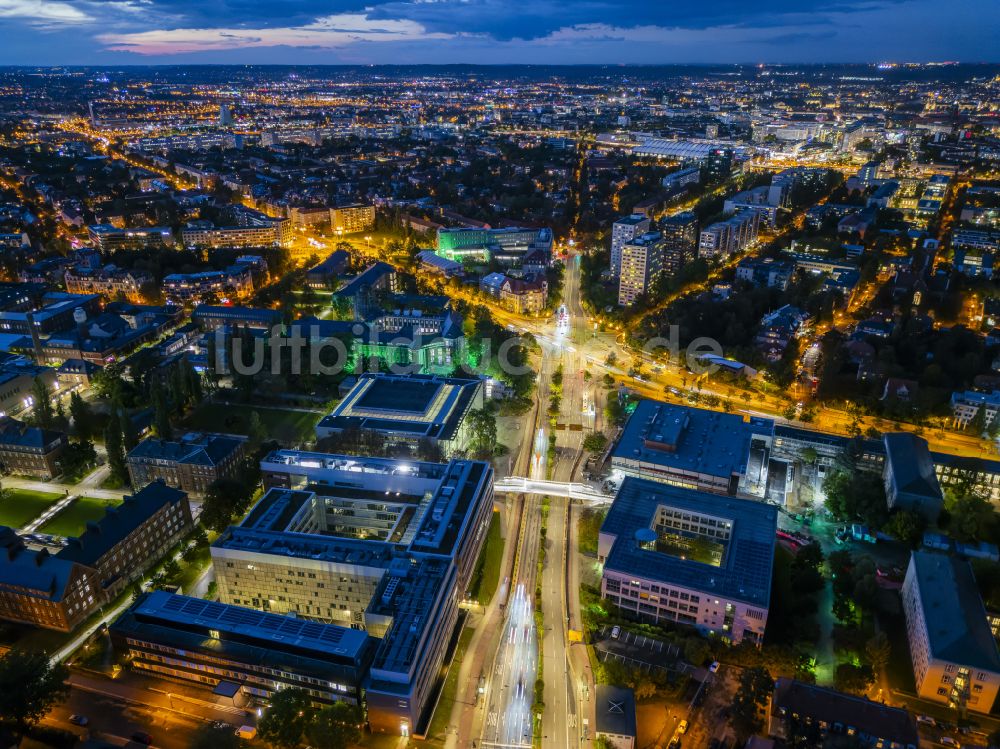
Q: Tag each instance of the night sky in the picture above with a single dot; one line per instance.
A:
(59, 32)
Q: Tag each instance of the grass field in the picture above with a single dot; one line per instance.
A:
(486, 576)
(21, 506)
(280, 424)
(72, 521)
(449, 692)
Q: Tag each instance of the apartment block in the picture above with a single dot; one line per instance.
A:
(954, 654)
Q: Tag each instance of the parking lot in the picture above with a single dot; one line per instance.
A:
(639, 651)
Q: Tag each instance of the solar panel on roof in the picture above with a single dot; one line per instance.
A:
(173, 604)
(332, 635)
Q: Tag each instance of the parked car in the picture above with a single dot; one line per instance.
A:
(949, 741)
(714, 667)
(79, 720)
(142, 737)
(926, 720)
(682, 728)
(615, 632)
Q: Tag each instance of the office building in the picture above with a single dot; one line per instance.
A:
(431, 343)
(29, 450)
(614, 716)
(718, 164)
(695, 448)
(238, 651)
(800, 709)
(324, 275)
(382, 545)
(676, 181)
(685, 556)
(55, 311)
(132, 536)
(365, 290)
(909, 477)
(522, 296)
(507, 246)
(191, 463)
(42, 590)
(954, 654)
(641, 267)
(406, 409)
(623, 231)
(966, 405)
(210, 317)
(765, 273)
(17, 385)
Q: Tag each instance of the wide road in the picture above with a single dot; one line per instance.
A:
(562, 719)
(511, 682)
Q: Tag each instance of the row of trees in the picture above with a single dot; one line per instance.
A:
(292, 720)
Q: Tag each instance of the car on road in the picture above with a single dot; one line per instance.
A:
(141, 737)
(714, 667)
(682, 728)
(79, 720)
(615, 632)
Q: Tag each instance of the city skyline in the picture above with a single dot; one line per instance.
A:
(57, 32)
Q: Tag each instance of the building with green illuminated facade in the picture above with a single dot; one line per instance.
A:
(508, 245)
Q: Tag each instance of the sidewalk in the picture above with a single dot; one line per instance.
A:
(467, 714)
(170, 696)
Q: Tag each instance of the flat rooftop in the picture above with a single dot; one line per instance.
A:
(745, 572)
(686, 439)
(957, 628)
(411, 405)
(274, 629)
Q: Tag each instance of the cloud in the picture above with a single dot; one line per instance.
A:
(43, 12)
(326, 32)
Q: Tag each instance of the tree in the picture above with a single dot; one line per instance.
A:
(335, 727)
(856, 495)
(116, 452)
(210, 736)
(285, 721)
(30, 685)
(970, 516)
(595, 442)
(256, 432)
(41, 400)
(483, 432)
(878, 649)
(696, 650)
(130, 435)
(161, 412)
(853, 679)
(907, 526)
(83, 417)
(754, 690)
(224, 499)
(195, 392)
